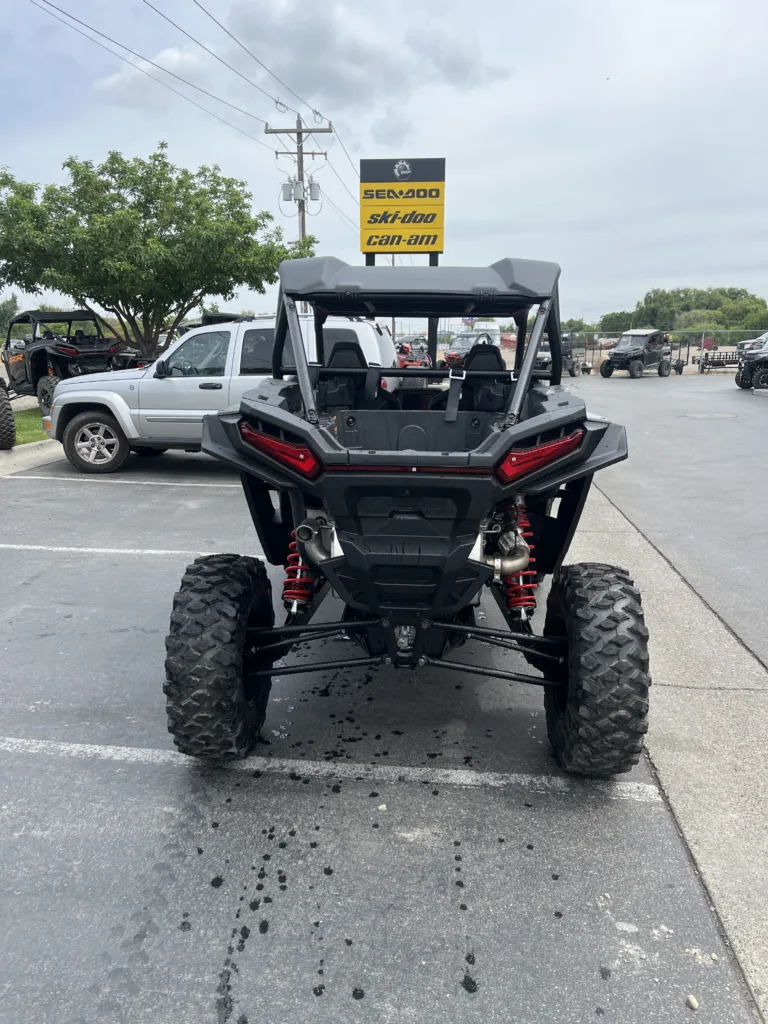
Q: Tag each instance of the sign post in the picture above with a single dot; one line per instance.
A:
(402, 210)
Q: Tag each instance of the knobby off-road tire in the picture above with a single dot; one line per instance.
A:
(7, 422)
(760, 378)
(45, 388)
(596, 725)
(665, 368)
(215, 706)
(575, 369)
(606, 369)
(635, 369)
(743, 382)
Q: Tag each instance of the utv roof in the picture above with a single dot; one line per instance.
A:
(639, 331)
(505, 287)
(31, 316)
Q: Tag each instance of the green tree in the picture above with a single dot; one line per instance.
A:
(615, 323)
(143, 240)
(8, 309)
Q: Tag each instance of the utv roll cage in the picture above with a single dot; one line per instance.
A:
(507, 288)
(35, 317)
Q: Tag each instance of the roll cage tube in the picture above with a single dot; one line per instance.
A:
(300, 358)
(281, 328)
(518, 393)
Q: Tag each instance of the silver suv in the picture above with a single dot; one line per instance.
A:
(100, 419)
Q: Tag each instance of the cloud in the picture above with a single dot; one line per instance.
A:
(345, 55)
(130, 87)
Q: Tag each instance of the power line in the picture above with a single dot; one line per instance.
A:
(260, 62)
(278, 103)
(145, 72)
(146, 60)
(351, 161)
(354, 198)
(346, 219)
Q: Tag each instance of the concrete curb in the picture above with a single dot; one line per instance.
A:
(26, 456)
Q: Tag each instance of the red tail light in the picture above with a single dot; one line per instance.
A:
(294, 456)
(68, 350)
(520, 462)
(113, 349)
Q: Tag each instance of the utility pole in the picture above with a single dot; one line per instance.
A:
(300, 131)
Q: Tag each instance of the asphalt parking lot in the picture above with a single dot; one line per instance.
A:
(402, 847)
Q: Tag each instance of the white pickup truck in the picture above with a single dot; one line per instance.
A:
(103, 417)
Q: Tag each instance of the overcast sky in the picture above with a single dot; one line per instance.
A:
(623, 139)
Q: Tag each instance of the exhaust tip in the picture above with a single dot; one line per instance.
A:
(304, 532)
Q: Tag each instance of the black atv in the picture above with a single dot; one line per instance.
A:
(42, 348)
(640, 350)
(411, 514)
(753, 367)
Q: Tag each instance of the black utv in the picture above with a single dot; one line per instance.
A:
(753, 367)
(42, 348)
(413, 506)
(639, 350)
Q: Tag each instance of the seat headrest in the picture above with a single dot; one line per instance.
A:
(484, 357)
(347, 355)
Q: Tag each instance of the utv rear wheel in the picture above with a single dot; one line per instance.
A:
(94, 443)
(45, 388)
(215, 704)
(606, 369)
(665, 368)
(575, 369)
(7, 422)
(760, 378)
(597, 721)
(635, 369)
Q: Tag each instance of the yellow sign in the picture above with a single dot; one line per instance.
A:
(402, 205)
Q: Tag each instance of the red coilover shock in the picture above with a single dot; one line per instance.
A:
(299, 582)
(520, 589)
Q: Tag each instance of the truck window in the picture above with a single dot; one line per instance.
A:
(202, 355)
(256, 356)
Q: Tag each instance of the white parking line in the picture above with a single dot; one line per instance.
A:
(101, 551)
(131, 482)
(640, 792)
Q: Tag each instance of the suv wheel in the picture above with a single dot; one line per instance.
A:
(635, 369)
(760, 377)
(665, 368)
(45, 388)
(596, 722)
(7, 422)
(215, 704)
(606, 368)
(94, 443)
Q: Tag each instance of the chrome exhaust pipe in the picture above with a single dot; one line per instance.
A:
(312, 538)
(515, 558)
